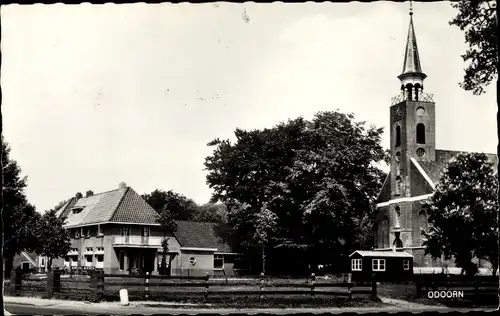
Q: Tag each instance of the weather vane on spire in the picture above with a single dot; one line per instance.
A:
(411, 7)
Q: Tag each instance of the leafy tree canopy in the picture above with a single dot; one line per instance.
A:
(56, 240)
(462, 213)
(18, 215)
(180, 207)
(301, 184)
(477, 20)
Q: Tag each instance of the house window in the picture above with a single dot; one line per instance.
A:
(77, 234)
(145, 231)
(356, 265)
(99, 261)
(406, 264)
(100, 248)
(89, 249)
(398, 136)
(420, 133)
(42, 264)
(378, 264)
(122, 261)
(125, 231)
(26, 266)
(218, 262)
(88, 259)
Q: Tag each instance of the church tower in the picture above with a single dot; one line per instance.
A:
(412, 119)
(412, 137)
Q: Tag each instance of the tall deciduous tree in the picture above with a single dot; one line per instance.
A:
(18, 215)
(462, 213)
(479, 21)
(318, 177)
(211, 212)
(54, 240)
(181, 207)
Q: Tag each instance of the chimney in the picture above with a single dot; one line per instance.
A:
(78, 195)
(89, 193)
(122, 185)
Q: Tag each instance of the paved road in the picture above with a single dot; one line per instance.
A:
(25, 309)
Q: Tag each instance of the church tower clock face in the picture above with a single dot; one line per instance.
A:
(420, 152)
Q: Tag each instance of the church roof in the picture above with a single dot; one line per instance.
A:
(435, 169)
(426, 174)
(411, 63)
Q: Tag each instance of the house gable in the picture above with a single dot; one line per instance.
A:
(134, 209)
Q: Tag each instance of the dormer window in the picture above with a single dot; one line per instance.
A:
(77, 210)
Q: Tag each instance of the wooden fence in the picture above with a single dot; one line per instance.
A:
(98, 286)
(470, 285)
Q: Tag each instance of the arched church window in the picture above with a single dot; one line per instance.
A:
(385, 232)
(398, 136)
(420, 133)
(399, 185)
(397, 222)
(423, 223)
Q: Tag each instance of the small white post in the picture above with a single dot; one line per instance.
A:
(124, 297)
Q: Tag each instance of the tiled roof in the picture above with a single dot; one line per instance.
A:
(120, 205)
(64, 210)
(133, 208)
(436, 168)
(203, 235)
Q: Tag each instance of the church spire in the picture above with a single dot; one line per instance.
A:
(412, 77)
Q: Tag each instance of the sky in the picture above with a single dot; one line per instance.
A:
(98, 94)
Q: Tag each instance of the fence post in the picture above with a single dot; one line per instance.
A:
(207, 284)
(50, 284)
(16, 279)
(147, 286)
(374, 286)
(349, 285)
(262, 286)
(418, 286)
(313, 279)
(475, 288)
(95, 285)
